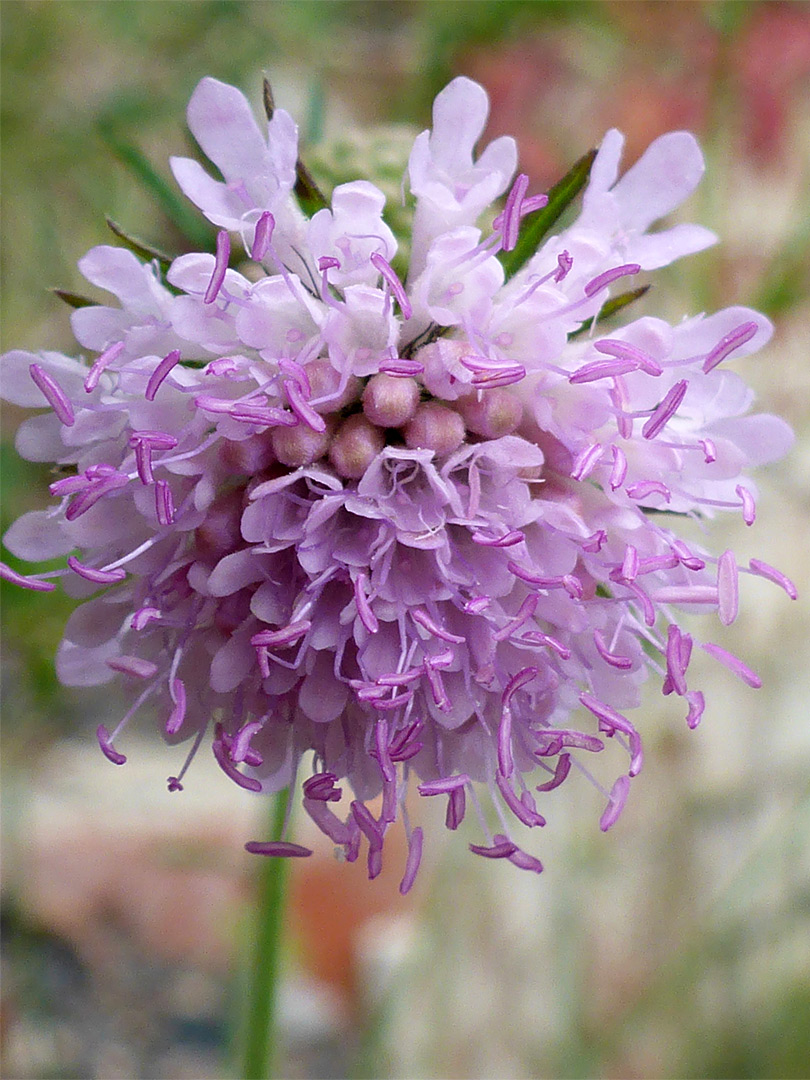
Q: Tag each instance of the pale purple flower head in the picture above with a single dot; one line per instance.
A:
(381, 528)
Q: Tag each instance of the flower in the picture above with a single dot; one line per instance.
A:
(395, 526)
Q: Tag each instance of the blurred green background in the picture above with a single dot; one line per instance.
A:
(679, 945)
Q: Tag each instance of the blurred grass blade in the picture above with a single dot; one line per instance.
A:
(199, 234)
(73, 299)
(537, 225)
(610, 307)
(139, 247)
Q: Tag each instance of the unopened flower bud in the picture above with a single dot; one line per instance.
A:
(299, 445)
(221, 532)
(248, 457)
(435, 427)
(389, 401)
(355, 446)
(324, 381)
(491, 413)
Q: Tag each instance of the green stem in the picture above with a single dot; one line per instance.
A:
(260, 1043)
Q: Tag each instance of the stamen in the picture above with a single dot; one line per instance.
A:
(524, 808)
(564, 264)
(762, 569)
(709, 450)
(623, 663)
(221, 260)
(586, 461)
(164, 503)
(456, 808)
(143, 616)
(169, 361)
(133, 665)
(277, 848)
(402, 369)
(669, 405)
(240, 747)
(227, 766)
(33, 583)
(424, 620)
(413, 860)
(623, 350)
(597, 540)
(54, 394)
(618, 797)
(112, 352)
(609, 276)
(262, 235)
(726, 345)
(177, 715)
(506, 764)
(602, 369)
(749, 510)
(696, 706)
(524, 613)
(510, 219)
(560, 772)
(534, 637)
(107, 747)
(619, 470)
(507, 540)
(367, 616)
(733, 663)
(283, 637)
(394, 284)
(501, 849)
(518, 680)
(381, 743)
(367, 823)
(685, 594)
(321, 787)
(610, 722)
(560, 737)
(727, 588)
(644, 488)
(90, 573)
(302, 408)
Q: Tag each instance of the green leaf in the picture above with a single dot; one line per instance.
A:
(139, 247)
(196, 231)
(73, 299)
(610, 307)
(535, 226)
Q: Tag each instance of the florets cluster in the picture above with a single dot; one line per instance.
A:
(394, 524)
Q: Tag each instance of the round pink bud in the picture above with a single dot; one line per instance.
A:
(324, 382)
(491, 413)
(221, 532)
(299, 445)
(249, 456)
(435, 427)
(355, 446)
(390, 402)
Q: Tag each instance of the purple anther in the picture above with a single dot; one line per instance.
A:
(524, 861)
(670, 403)
(610, 722)
(178, 713)
(651, 563)
(552, 741)
(164, 503)
(322, 788)
(629, 569)
(437, 689)
(90, 573)
(405, 745)
(763, 569)
(646, 604)
(726, 345)
(518, 680)
(573, 586)
(506, 763)
(618, 471)
(133, 665)
(697, 704)
(623, 350)
(262, 236)
(733, 663)
(174, 783)
(107, 748)
(727, 588)
(329, 823)
(383, 756)
(618, 797)
(477, 604)
(328, 262)
(277, 848)
(524, 613)
(240, 747)
(535, 637)
(302, 409)
(539, 580)
(709, 450)
(424, 620)
(510, 219)
(143, 616)
(676, 668)
(642, 489)
(223, 760)
(507, 540)
(54, 394)
(560, 772)
(285, 636)
(602, 369)
(623, 663)
(169, 361)
(94, 491)
(686, 557)
(298, 373)
(443, 786)
(143, 461)
(596, 541)
(506, 376)
(564, 264)
(111, 353)
(609, 276)
(685, 594)
(401, 368)
(394, 284)
(221, 260)
(501, 849)
(33, 583)
(374, 862)
(456, 808)
(367, 616)
(749, 509)
(586, 461)
(413, 860)
(523, 808)
(367, 823)
(69, 485)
